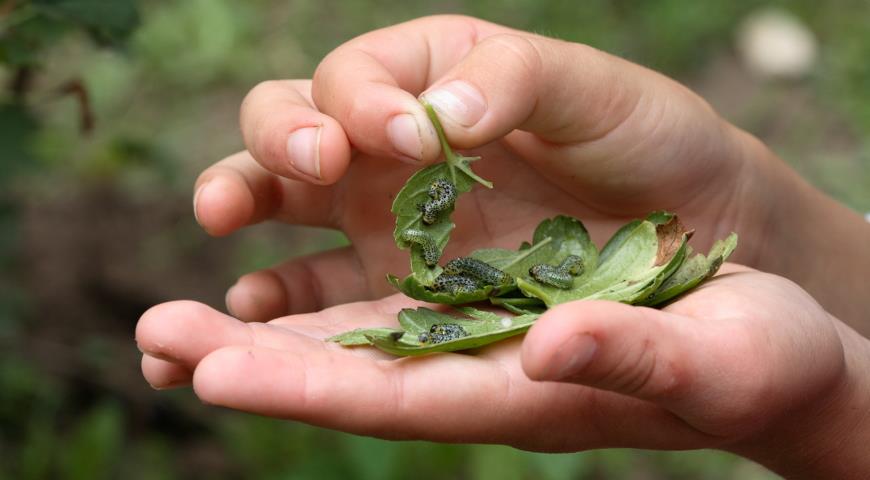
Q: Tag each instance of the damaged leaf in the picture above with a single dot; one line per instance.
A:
(632, 265)
(693, 271)
(406, 206)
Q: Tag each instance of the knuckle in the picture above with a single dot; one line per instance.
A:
(520, 51)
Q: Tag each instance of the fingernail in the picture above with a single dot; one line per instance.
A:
(572, 356)
(303, 147)
(404, 133)
(458, 101)
(196, 196)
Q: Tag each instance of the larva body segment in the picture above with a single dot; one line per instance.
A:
(431, 253)
(454, 284)
(442, 195)
(553, 276)
(482, 271)
(442, 332)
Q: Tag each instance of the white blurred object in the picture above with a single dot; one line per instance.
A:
(775, 43)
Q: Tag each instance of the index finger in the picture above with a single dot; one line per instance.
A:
(370, 83)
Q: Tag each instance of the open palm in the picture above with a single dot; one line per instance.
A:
(709, 370)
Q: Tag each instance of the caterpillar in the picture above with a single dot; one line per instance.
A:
(561, 276)
(442, 332)
(442, 194)
(454, 284)
(553, 276)
(482, 271)
(431, 252)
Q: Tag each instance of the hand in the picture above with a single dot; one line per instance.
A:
(565, 129)
(747, 362)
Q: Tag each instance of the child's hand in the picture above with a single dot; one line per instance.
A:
(566, 128)
(747, 362)
(563, 128)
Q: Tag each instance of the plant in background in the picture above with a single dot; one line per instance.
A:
(646, 262)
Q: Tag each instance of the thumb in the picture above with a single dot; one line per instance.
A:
(612, 346)
(563, 92)
(725, 380)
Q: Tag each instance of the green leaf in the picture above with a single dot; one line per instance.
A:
(632, 265)
(415, 192)
(412, 287)
(359, 335)
(408, 215)
(693, 271)
(519, 306)
(553, 240)
(483, 329)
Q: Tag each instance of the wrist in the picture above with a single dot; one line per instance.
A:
(827, 438)
(792, 229)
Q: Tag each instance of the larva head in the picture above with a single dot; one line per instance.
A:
(442, 195)
(552, 276)
(572, 264)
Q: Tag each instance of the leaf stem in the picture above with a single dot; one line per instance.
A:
(528, 252)
(442, 137)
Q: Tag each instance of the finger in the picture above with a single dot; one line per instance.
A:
(725, 377)
(289, 137)
(425, 398)
(163, 374)
(236, 192)
(634, 351)
(300, 285)
(569, 108)
(184, 332)
(564, 92)
(369, 83)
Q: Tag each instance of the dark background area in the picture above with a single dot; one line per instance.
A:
(109, 110)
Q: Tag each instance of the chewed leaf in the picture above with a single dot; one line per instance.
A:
(360, 335)
(632, 265)
(406, 208)
(482, 329)
(693, 271)
(407, 205)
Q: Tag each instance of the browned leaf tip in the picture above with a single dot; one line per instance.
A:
(670, 236)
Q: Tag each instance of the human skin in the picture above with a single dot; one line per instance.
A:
(565, 129)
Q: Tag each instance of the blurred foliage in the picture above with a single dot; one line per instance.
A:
(136, 97)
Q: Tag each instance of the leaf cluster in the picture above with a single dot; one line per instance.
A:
(646, 262)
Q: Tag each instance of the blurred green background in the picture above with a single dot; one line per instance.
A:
(109, 109)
